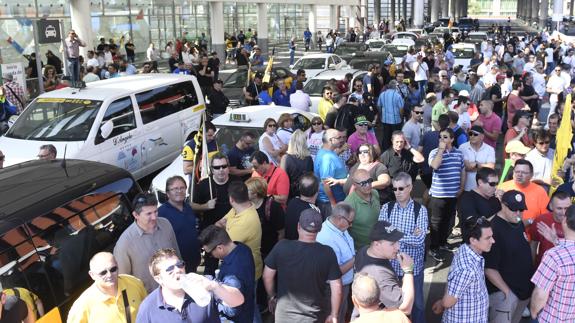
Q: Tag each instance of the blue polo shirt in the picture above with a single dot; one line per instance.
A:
(153, 310)
(342, 245)
(281, 99)
(238, 270)
(184, 225)
(328, 164)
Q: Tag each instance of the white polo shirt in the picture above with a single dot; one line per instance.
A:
(485, 154)
(542, 165)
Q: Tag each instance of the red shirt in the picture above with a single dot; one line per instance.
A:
(544, 244)
(278, 180)
(514, 104)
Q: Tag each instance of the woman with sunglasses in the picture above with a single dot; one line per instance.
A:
(296, 161)
(367, 160)
(269, 142)
(314, 136)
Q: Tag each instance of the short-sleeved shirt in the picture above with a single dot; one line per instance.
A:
(13, 310)
(544, 244)
(135, 248)
(188, 153)
(294, 208)
(510, 255)
(446, 180)
(355, 140)
(536, 198)
(399, 162)
(302, 297)
(238, 266)
(413, 133)
(555, 276)
(391, 295)
(542, 164)
(220, 193)
(241, 159)
(277, 179)
(466, 282)
(184, 224)
(342, 245)
(394, 316)
(429, 142)
(514, 104)
(438, 109)
(328, 164)
(246, 228)
(472, 204)
(485, 155)
(272, 218)
(95, 306)
(366, 213)
(490, 124)
(154, 309)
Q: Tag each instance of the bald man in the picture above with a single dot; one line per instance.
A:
(365, 298)
(105, 300)
(331, 171)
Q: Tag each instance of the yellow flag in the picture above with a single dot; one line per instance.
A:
(268, 72)
(51, 317)
(563, 144)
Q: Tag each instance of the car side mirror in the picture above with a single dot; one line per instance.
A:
(331, 66)
(291, 66)
(106, 129)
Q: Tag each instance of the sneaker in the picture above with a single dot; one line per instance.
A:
(436, 255)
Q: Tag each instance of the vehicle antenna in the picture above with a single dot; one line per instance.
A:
(63, 162)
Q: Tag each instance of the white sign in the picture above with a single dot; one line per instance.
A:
(17, 70)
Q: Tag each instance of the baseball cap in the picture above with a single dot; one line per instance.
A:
(477, 129)
(516, 146)
(310, 220)
(383, 230)
(464, 93)
(361, 119)
(514, 200)
(430, 95)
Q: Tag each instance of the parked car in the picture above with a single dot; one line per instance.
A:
(405, 35)
(315, 85)
(137, 122)
(315, 63)
(463, 54)
(397, 51)
(361, 62)
(376, 44)
(347, 50)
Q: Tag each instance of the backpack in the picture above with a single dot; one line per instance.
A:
(416, 209)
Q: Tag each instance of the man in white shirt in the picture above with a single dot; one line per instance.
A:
(476, 154)
(570, 60)
(550, 62)
(539, 80)
(92, 60)
(529, 67)
(300, 100)
(541, 158)
(555, 85)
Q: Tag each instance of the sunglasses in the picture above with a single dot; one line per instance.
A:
(543, 142)
(492, 184)
(317, 123)
(220, 167)
(473, 134)
(363, 124)
(418, 112)
(395, 189)
(365, 183)
(180, 264)
(364, 151)
(109, 270)
(348, 221)
(272, 125)
(328, 93)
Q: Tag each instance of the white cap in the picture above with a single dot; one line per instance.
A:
(464, 93)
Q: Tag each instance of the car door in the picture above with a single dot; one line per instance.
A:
(123, 147)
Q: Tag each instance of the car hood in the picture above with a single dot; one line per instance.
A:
(19, 150)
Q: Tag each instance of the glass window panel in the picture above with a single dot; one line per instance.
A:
(53, 8)
(17, 8)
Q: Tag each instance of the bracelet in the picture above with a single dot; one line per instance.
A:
(407, 271)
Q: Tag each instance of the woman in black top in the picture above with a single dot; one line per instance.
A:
(297, 160)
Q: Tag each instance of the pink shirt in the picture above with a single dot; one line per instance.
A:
(355, 140)
(490, 124)
(514, 104)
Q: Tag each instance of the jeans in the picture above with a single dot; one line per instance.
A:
(550, 67)
(442, 210)
(291, 57)
(74, 68)
(418, 310)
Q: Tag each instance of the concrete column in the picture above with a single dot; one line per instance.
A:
(263, 28)
(217, 29)
(418, 13)
(435, 10)
(535, 10)
(528, 10)
(376, 12)
(404, 13)
(444, 8)
(312, 20)
(79, 15)
(496, 7)
(571, 8)
(333, 21)
(557, 13)
(354, 17)
(543, 13)
(453, 9)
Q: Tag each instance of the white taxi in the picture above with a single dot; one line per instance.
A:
(315, 63)
(139, 123)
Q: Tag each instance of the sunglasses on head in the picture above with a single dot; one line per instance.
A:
(474, 222)
(109, 270)
(180, 264)
(365, 183)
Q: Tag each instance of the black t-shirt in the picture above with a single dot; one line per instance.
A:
(218, 102)
(202, 195)
(303, 270)
(473, 204)
(14, 310)
(497, 106)
(293, 211)
(100, 47)
(366, 109)
(204, 81)
(381, 270)
(402, 163)
(129, 52)
(528, 90)
(330, 118)
(173, 63)
(272, 221)
(241, 159)
(511, 256)
(254, 90)
(241, 60)
(295, 167)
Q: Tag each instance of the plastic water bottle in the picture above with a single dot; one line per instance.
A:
(192, 285)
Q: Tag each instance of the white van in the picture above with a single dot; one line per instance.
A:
(139, 123)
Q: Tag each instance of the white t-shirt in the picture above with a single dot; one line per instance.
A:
(542, 165)
(314, 143)
(486, 154)
(556, 82)
(539, 84)
(464, 121)
(420, 71)
(276, 144)
(93, 62)
(549, 52)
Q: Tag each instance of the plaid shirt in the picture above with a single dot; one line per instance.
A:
(16, 89)
(555, 275)
(411, 244)
(466, 282)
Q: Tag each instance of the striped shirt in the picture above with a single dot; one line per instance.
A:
(466, 282)
(556, 275)
(412, 244)
(390, 104)
(446, 180)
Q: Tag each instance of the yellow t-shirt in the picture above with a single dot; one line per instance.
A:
(323, 107)
(387, 316)
(246, 228)
(25, 295)
(95, 306)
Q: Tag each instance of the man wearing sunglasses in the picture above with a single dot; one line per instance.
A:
(365, 201)
(541, 158)
(481, 200)
(170, 303)
(508, 265)
(111, 298)
(476, 154)
(413, 128)
(142, 238)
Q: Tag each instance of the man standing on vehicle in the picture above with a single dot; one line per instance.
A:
(142, 238)
(72, 50)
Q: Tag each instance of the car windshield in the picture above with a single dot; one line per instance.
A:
(396, 50)
(477, 37)
(463, 52)
(405, 36)
(361, 63)
(310, 64)
(314, 86)
(237, 79)
(376, 44)
(347, 50)
(56, 119)
(465, 21)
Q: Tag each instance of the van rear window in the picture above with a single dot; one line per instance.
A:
(56, 119)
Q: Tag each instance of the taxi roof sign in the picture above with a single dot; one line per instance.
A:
(239, 117)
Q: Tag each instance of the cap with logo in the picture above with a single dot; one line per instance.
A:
(383, 230)
(310, 220)
(361, 119)
(514, 200)
(516, 146)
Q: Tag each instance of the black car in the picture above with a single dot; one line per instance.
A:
(234, 84)
(362, 61)
(466, 24)
(348, 50)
